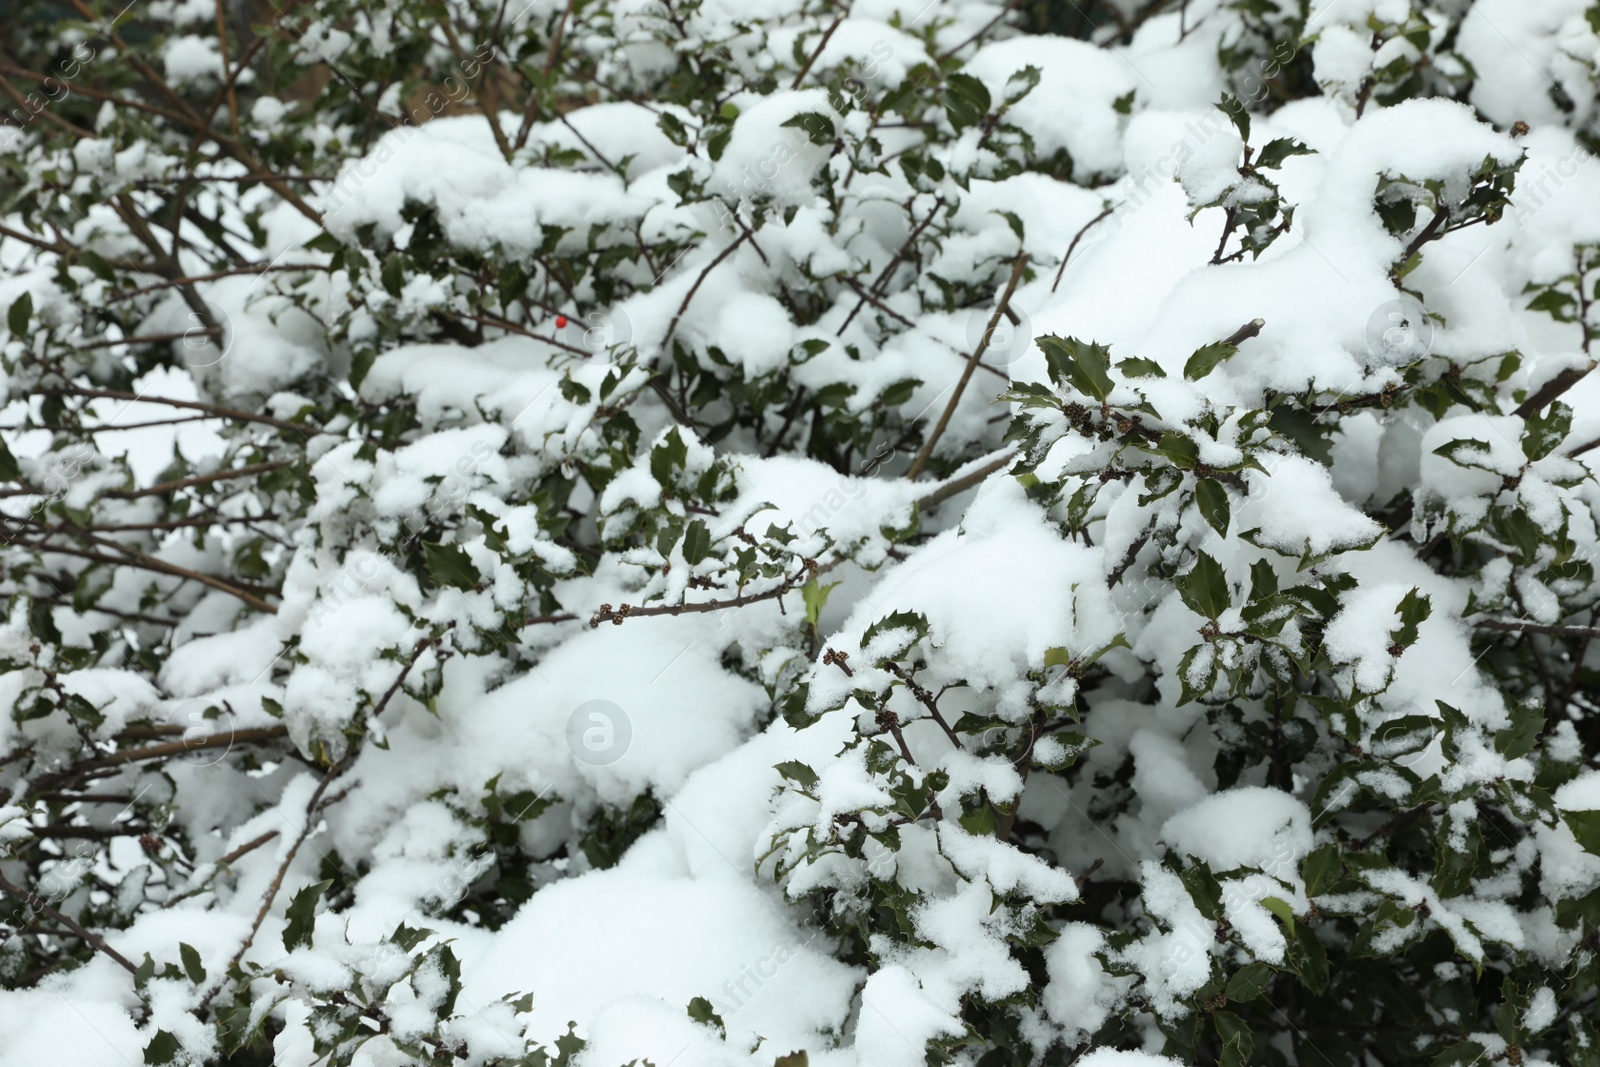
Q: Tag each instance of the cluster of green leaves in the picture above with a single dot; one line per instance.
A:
(1252, 204)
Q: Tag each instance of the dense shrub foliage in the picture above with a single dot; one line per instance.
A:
(799, 531)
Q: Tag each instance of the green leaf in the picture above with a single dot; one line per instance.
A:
(1180, 449)
(1274, 152)
(450, 565)
(17, 318)
(1137, 367)
(817, 126)
(1545, 430)
(1082, 364)
(1460, 1055)
(696, 542)
(1281, 909)
(1013, 220)
(1212, 500)
(1234, 108)
(1414, 609)
(1021, 84)
(1263, 581)
(966, 101)
(1205, 588)
(163, 1048)
(702, 1012)
(360, 364)
(815, 596)
(1206, 359)
(1249, 982)
(670, 454)
(793, 708)
(408, 937)
(914, 621)
(798, 773)
(9, 471)
(450, 967)
(1585, 826)
(1321, 869)
(301, 915)
(674, 128)
(393, 274)
(1553, 302)
(1237, 1042)
(191, 963)
(1518, 739)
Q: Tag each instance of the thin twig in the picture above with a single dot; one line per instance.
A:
(1076, 238)
(966, 373)
(823, 44)
(94, 939)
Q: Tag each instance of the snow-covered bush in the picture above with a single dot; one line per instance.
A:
(782, 532)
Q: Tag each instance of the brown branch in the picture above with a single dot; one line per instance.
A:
(1244, 333)
(1553, 389)
(1076, 238)
(199, 479)
(949, 488)
(1428, 233)
(178, 748)
(94, 940)
(192, 405)
(884, 275)
(623, 612)
(532, 110)
(982, 32)
(972, 363)
(137, 559)
(232, 857)
(227, 71)
(187, 115)
(1520, 626)
(695, 288)
(823, 44)
(127, 294)
(484, 98)
(925, 698)
(311, 822)
(1132, 554)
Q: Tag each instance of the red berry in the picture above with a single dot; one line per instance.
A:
(561, 322)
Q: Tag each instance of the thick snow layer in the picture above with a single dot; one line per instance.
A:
(1072, 106)
(1245, 827)
(647, 934)
(676, 720)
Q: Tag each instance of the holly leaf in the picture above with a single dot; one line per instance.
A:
(1249, 982)
(1205, 588)
(696, 542)
(191, 963)
(450, 565)
(1212, 499)
(301, 915)
(1275, 151)
(21, 311)
(1205, 360)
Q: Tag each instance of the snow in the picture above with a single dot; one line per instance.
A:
(646, 933)
(1071, 108)
(1246, 827)
(780, 323)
